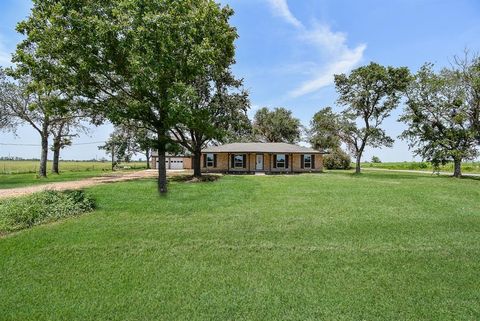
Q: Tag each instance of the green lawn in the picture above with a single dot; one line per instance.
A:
(31, 166)
(379, 246)
(21, 180)
(467, 167)
(24, 173)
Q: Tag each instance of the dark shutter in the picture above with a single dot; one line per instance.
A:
(214, 160)
(204, 160)
(302, 161)
(244, 160)
(274, 161)
(232, 161)
(286, 160)
(313, 162)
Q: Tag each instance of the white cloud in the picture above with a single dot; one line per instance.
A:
(336, 57)
(280, 8)
(340, 58)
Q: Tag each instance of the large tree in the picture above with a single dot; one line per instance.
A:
(276, 126)
(35, 105)
(214, 110)
(128, 58)
(468, 70)
(438, 116)
(324, 130)
(369, 93)
(63, 130)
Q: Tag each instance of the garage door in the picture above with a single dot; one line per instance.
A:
(176, 163)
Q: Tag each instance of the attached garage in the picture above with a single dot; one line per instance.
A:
(174, 163)
(177, 162)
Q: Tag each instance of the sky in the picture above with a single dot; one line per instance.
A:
(288, 51)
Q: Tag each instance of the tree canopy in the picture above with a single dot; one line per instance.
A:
(276, 126)
(438, 116)
(37, 105)
(214, 110)
(324, 130)
(128, 59)
(369, 94)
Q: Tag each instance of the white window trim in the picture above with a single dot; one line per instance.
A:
(305, 163)
(210, 163)
(235, 161)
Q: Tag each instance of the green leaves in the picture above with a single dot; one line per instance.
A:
(369, 93)
(276, 126)
(438, 116)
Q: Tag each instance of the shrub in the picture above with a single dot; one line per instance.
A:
(337, 159)
(376, 160)
(47, 206)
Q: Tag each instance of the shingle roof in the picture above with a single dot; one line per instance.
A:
(260, 148)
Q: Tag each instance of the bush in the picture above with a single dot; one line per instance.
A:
(337, 159)
(376, 160)
(47, 206)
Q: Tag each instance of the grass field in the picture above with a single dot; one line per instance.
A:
(22, 180)
(467, 167)
(24, 173)
(24, 167)
(379, 246)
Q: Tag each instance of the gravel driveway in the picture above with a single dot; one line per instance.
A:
(112, 178)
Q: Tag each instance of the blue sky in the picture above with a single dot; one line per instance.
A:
(288, 51)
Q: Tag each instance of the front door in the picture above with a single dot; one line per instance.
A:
(259, 163)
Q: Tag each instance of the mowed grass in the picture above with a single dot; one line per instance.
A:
(22, 180)
(467, 167)
(31, 166)
(24, 173)
(379, 246)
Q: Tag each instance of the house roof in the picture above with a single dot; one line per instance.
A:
(155, 154)
(261, 148)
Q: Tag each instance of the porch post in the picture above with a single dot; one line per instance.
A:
(291, 164)
(228, 162)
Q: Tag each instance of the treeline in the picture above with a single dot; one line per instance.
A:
(441, 111)
(160, 71)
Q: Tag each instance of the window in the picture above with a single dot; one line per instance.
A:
(307, 161)
(210, 160)
(281, 160)
(238, 161)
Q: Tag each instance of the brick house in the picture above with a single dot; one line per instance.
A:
(261, 157)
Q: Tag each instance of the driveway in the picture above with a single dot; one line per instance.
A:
(80, 184)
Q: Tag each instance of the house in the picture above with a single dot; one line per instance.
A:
(261, 157)
(172, 161)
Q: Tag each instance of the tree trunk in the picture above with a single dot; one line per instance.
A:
(42, 171)
(162, 172)
(197, 163)
(113, 157)
(357, 164)
(457, 171)
(56, 156)
(147, 155)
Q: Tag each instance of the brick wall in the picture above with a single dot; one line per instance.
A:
(223, 164)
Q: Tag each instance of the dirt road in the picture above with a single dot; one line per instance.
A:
(116, 177)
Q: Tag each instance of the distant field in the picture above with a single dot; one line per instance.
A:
(23, 167)
(471, 167)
